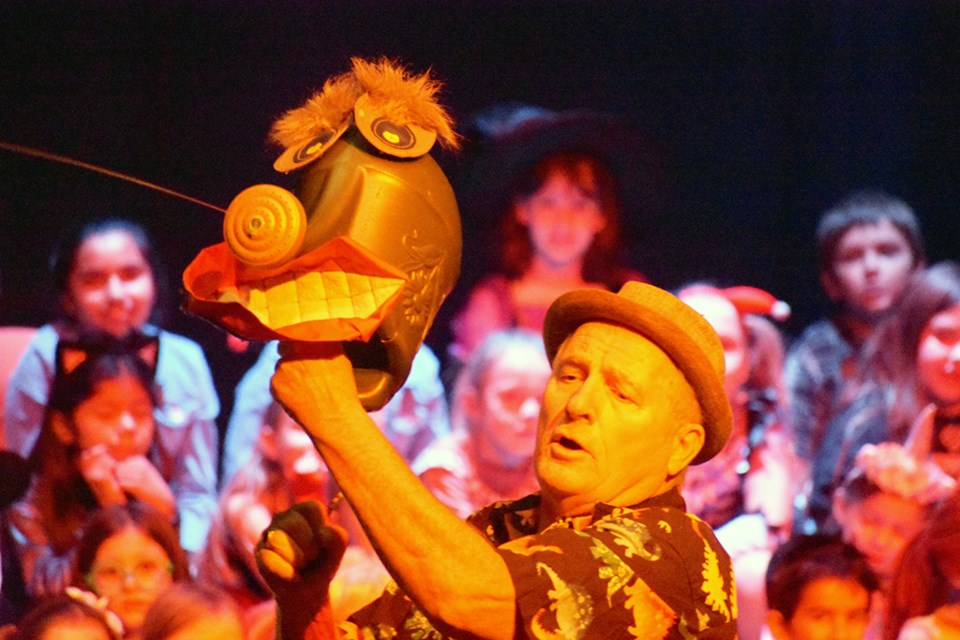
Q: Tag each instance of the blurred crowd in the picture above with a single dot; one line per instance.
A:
(127, 515)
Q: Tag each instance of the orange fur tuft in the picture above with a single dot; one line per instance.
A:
(395, 93)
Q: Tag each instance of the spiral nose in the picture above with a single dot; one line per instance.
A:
(264, 226)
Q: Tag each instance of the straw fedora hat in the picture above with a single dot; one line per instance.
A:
(679, 331)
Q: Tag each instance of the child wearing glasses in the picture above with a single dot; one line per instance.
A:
(128, 555)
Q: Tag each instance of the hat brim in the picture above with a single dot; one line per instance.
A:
(675, 328)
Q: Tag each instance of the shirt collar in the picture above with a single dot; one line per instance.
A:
(670, 499)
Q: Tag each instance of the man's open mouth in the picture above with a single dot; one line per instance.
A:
(567, 443)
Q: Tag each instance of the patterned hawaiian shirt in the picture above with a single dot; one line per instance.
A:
(649, 571)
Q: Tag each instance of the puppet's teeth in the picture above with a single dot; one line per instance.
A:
(295, 298)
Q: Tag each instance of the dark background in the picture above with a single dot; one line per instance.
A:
(763, 114)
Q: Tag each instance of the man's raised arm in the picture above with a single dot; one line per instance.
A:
(446, 566)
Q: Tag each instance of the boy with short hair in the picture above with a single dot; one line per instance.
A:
(868, 245)
(818, 588)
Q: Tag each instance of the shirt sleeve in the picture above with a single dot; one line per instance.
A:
(251, 402)
(814, 380)
(187, 435)
(44, 570)
(802, 392)
(392, 616)
(27, 391)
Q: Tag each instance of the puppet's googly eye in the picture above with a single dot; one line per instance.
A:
(264, 226)
(398, 140)
(299, 156)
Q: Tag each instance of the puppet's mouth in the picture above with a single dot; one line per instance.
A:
(302, 297)
(336, 292)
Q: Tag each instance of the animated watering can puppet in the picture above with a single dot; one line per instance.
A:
(368, 246)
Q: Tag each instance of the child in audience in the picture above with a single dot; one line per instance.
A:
(128, 555)
(72, 615)
(818, 588)
(107, 281)
(914, 374)
(559, 219)
(94, 450)
(285, 469)
(868, 245)
(754, 472)
(186, 611)
(747, 491)
(924, 601)
(415, 416)
(883, 503)
(489, 455)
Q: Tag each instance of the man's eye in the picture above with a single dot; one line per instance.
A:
(568, 375)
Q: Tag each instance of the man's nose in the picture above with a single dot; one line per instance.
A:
(580, 402)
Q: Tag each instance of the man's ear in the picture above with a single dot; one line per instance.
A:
(830, 286)
(61, 428)
(778, 627)
(688, 443)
